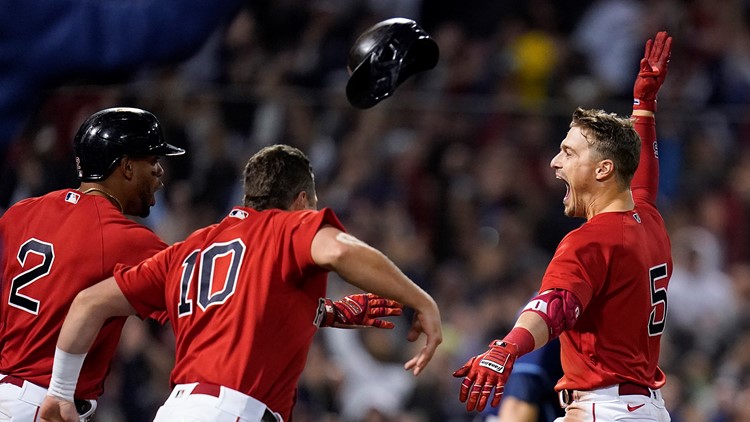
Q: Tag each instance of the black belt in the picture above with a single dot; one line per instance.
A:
(215, 390)
(624, 389)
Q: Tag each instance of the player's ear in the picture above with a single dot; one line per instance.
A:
(126, 167)
(605, 169)
(301, 202)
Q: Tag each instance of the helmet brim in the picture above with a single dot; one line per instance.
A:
(167, 150)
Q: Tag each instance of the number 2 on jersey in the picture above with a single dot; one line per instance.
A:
(30, 275)
(213, 268)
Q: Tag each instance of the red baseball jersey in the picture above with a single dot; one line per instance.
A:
(242, 297)
(53, 247)
(618, 264)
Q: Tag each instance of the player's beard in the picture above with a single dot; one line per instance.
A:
(147, 199)
(145, 207)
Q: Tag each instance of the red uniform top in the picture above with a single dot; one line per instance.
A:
(618, 265)
(53, 247)
(242, 296)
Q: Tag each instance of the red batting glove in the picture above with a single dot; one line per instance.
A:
(653, 72)
(357, 311)
(489, 370)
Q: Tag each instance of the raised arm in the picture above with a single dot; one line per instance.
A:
(368, 269)
(653, 71)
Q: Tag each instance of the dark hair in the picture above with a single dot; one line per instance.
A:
(275, 175)
(613, 137)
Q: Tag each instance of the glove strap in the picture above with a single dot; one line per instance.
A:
(326, 314)
(493, 364)
(641, 104)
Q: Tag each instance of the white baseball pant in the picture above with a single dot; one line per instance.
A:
(20, 400)
(608, 404)
(200, 402)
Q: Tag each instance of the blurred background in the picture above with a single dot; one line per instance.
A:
(449, 177)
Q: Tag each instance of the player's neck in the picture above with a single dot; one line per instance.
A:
(618, 201)
(99, 190)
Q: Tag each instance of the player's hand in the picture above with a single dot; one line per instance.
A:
(427, 321)
(652, 72)
(58, 410)
(484, 372)
(359, 310)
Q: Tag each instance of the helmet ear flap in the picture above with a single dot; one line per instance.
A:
(385, 56)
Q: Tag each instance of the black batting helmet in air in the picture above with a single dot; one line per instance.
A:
(108, 135)
(384, 56)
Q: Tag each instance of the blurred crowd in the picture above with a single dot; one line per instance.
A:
(449, 177)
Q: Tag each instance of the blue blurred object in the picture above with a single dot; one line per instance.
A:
(45, 43)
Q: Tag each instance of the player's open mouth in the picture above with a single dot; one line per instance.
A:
(153, 194)
(567, 188)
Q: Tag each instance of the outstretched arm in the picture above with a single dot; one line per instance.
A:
(368, 269)
(545, 317)
(652, 73)
(485, 375)
(88, 312)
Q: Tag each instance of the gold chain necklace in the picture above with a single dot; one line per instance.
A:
(108, 195)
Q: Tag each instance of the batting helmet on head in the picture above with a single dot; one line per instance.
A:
(384, 56)
(108, 135)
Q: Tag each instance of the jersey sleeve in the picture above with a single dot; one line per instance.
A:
(577, 266)
(298, 233)
(645, 182)
(143, 285)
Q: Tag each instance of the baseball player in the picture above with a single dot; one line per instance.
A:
(58, 244)
(242, 296)
(605, 291)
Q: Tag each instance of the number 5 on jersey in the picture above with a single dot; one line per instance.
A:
(658, 319)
